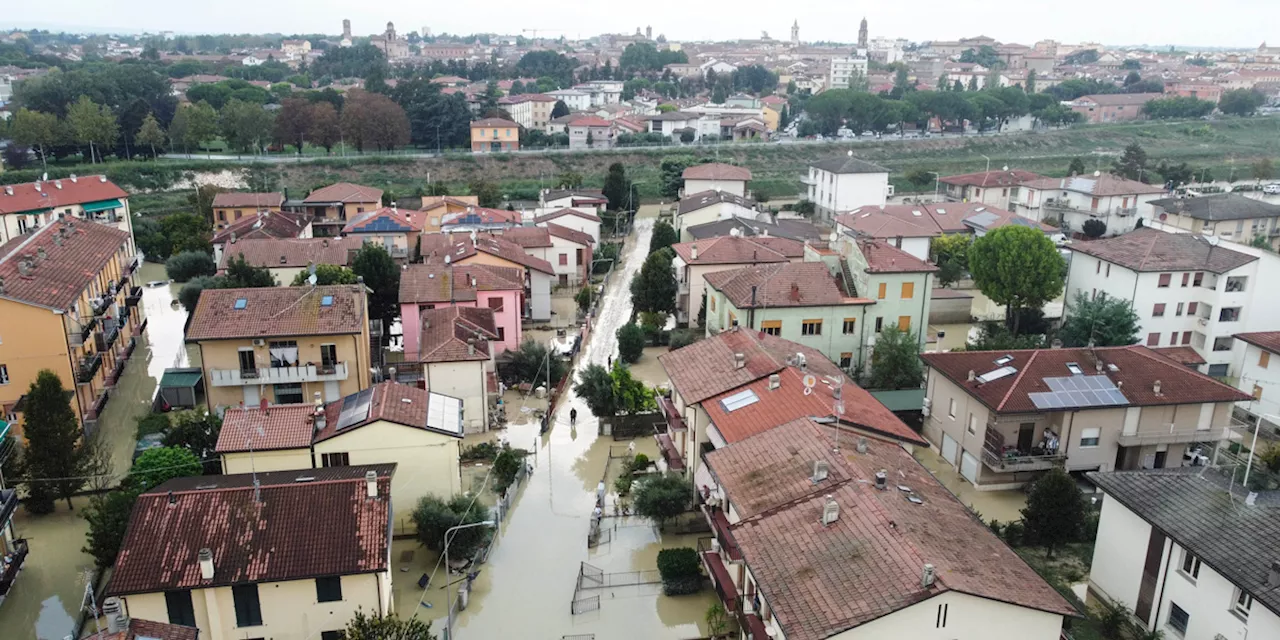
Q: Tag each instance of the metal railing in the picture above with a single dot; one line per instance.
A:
(278, 375)
(1174, 436)
(88, 368)
(1001, 462)
(134, 297)
(10, 571)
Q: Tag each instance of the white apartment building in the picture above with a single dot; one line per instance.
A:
(844, 182)
(1254, 372)
(673, 123)
(1189, 554)
(1187, 290)
(601, 92)
(531, 111)
(843, 70)
(1116, 201)
(574, 99)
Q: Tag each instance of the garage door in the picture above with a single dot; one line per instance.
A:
(969, 467)
(949, 449)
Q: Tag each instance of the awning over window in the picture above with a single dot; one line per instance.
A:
(102, 205)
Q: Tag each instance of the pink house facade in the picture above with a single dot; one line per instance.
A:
(475, 285)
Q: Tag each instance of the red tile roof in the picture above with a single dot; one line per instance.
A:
(883, 257)
(433, 202)
(81, 190)
(274, 253)
(344, 192)
(590, 121)
(1269, 340)
(992, 178)
(383, 220)
(789, 401)
(730, 250)
(1148, 249)
(788, 247)
(150, 630)
(75, 252)
(1103, 184)
(448, 332)
(402, 404)
(460, 247)
(278, 311)
(878, 223)
(706, 367)
(1186, 356)
(286, 426)
(716, 171)
(788, 284)
(703, 199)
(528, 237)
(572, 235)
(270, 224)
(492, 122)
(1137, 367)
(234, 199)
(421, 283)
(482, 215)
(546, 217)
(822, 580)
(275, 538)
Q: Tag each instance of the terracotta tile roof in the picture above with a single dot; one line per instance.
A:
(696, 201)
(786, 246)
(344, 192)
(421, 283)
(1148, 249)
(848, 164)
(1137, 367)
(83, 190)
(270, 224)
(528, 237)
(492, 122)
(1103, 184)
(1186, 356)
(546, 217)
(274, 539)
(788, 284)
(234, 199)
(285, 426)
(590, 121)
(572, 235)
(432, 202)
(1120, 99)
(991, 178)
(504, 249)
(1219, 206)
(481, 215)
(789, 402)
(730, 250)
(787, 229)
(57, 280)
(706, 367)
(278, 311)
(716, 171)
(446, 333)
(822, 580)
(150, 630)
(885, 258)
(1269, 340)
(274, 253)
(402, 404)
(882, 223)
(384, 220)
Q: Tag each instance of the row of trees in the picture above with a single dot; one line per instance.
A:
(989, 108)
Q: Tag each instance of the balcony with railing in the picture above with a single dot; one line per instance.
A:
(1173, 435)
(1061, 205)
(719, 522)
(675, 422)
(107, 337)
(129, 265)
(78, 332)
(670, 453)
(12, 566)
(709, 550)
(1027, 455)
(1011, 460)
(278, 375)
(134, 297)
(88, 368)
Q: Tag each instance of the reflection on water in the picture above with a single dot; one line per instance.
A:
(53, 623)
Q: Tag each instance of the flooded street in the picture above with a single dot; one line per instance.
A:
(45, 601)
(527, 585)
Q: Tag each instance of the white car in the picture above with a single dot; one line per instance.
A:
(1272, 189)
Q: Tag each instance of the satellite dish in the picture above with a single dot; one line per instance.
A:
(809, 380)
(1006, 167)
(1097, 173)
(312, 279)
(849, 153)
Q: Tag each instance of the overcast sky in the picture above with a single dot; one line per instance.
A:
(1233, 23)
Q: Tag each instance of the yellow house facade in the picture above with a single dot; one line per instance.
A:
(494, 134)
(332, 206)
(29, 206)
(282, 345)
(68, 304)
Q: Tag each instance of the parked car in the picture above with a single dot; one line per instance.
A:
(1272, 189)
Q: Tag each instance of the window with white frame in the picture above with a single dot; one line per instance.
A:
(1178, 619)
(973, 425)
(1090, 437)
(951, 410)
(1242, 604)
(1190, 565)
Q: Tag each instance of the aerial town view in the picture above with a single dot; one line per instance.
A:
(334, 322)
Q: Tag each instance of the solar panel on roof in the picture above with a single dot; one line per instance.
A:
(1078, 391)
(355, 409)
(997, 374)
(740, 400)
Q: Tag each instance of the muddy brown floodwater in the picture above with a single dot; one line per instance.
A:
(525, 589)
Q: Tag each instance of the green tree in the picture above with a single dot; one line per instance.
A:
(108, 518)
(1262, 170)
(182, 267)
(570, 180)
(294, 122)
(1076, 168)
(532, 362)
(35, 129)
(246, 126)
(664, 235)
(382, 276)
(952, 248)
(93, 125)
(161, 464)
(326, 274)
(196, 431)
(241, 274)
(1102, 321)
(325, 129)
(1017, 267)
(54, 451)
(559, 110)
(632, 395)
(189, 294)
(617, 188)
(895, 361)
(583, 297)
(1031, 81)
(487, 192)
(595, 387)
(506, 465)
(672, 171)
(654, 288)
(631, 342)
(1094, 228)
(187, 232)
(1132, 163)
(719, 95)
(1055, 511)
(995, 336)
(389, 627)
(1241, 102)
(949, 273)
(434, 516)
(150, 134)
(201, 125)
(662, 498)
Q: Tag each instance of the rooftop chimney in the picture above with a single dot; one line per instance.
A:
(862, 445)
(172, 500)
(775, 381)
(972, 376)
(1, 286)
(102, 178)
(693, 251)
(1097, 366)
(882, 480)
(206, 564)
(471, 346)
(1155, 388)
(1056, 344)
(1273, 576)
(73, 177)
(41, 254)
(928, 576)
(830, 511)
(371, 484)
(57, 184)
(739, 361)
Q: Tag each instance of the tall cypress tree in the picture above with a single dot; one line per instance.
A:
(54, 447)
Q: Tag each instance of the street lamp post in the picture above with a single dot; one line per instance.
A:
(448, 629)
(1248, 466)
(936, 178)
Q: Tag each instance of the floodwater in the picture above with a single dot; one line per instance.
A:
(525, 588)
(1005, 506)
(44, 603)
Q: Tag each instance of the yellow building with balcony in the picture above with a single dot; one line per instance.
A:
(282, 344)
(494, 134)
(68, 303)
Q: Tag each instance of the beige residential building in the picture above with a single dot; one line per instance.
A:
(282, 345)
(31, 205)
(285, 258)
(332, 206)
(289, 555)
(1226, 215)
